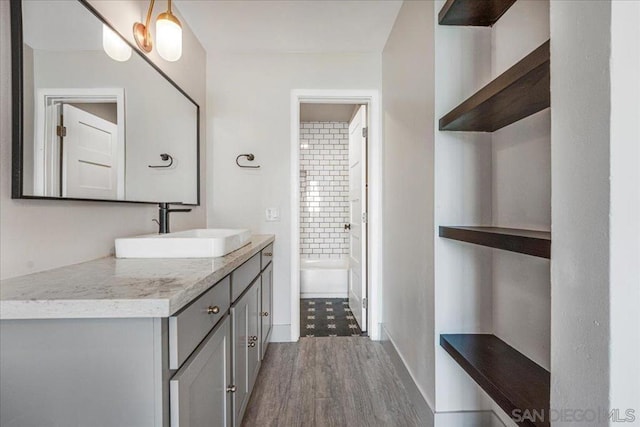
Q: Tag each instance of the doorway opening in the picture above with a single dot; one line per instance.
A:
(332, 198)
(332, 211)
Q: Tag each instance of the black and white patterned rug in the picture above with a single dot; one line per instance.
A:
(327, 317)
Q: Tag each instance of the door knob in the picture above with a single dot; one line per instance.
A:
(231, 389)
(347, 227)
(265, 313)
(253, 338)
(213, 309)
(252, 344)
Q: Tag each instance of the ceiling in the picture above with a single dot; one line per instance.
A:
(326, 112)
(316, 26)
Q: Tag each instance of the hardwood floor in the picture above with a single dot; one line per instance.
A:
(332, 381)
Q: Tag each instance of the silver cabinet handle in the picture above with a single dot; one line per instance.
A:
(231, 389)
(253, 338)
(213, 309)
(252, 344)
(265, 313)
(267, 253)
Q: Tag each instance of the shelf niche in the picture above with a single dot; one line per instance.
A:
(516, 383)
(522, 90)
(477, 13)
(529, 242)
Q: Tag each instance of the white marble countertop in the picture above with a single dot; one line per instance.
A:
(117, 288)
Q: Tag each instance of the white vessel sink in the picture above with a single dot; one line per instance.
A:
(202, 243)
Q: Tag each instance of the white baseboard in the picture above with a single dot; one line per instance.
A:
(323, 295)
(424, 410)
(280, 333)
(420, 404)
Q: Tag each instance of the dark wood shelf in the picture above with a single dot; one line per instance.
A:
(479, 13)
(521, 91)
(511, 379)
(530, 242)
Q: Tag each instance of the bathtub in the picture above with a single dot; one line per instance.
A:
(324, 278)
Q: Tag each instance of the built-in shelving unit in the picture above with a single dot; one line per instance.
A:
(530, 242)
(512, 380)
(517, 384)
(522, 90)
(481, 13)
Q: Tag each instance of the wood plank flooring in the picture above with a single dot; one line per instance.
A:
(332, 381)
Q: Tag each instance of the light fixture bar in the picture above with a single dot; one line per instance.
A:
(141, 32)
(168, 34)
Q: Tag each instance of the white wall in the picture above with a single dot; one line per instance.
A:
(625, 206)
(408, 223)
(580, 108)
(28, 105)
(38, 235)
(249, 109)
(463, 194)
(595, 326)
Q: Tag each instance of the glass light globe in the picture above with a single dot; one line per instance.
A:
(169, 37)
(114, 46)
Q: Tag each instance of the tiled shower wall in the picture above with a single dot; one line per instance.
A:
(324, 189)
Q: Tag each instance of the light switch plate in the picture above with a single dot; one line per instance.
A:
(272, 214)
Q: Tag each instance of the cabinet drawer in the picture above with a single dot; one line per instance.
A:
(266, 255)
(244, 275)
(188, 328)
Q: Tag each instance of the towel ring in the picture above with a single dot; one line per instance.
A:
(250, 157)
(164, 157)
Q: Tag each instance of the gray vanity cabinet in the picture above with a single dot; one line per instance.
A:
(200, 389)
(194, 368)
(266, 317)
(246, 347)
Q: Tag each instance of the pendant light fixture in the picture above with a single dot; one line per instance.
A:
(168, 34)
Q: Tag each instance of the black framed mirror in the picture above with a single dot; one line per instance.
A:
(90, 127)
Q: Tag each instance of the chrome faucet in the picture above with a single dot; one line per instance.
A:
(163, 217)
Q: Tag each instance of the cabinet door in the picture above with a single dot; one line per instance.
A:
(198, 391)
(246, 356)
(266, 315)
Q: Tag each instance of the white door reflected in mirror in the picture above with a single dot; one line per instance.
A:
(74, 130)
(89, 155)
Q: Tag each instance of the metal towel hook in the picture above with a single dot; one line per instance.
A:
(250, 157)
(164, 157)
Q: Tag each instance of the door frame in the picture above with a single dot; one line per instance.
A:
(371, 98)
(45, 124)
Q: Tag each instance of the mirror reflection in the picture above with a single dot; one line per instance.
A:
(99, 126)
